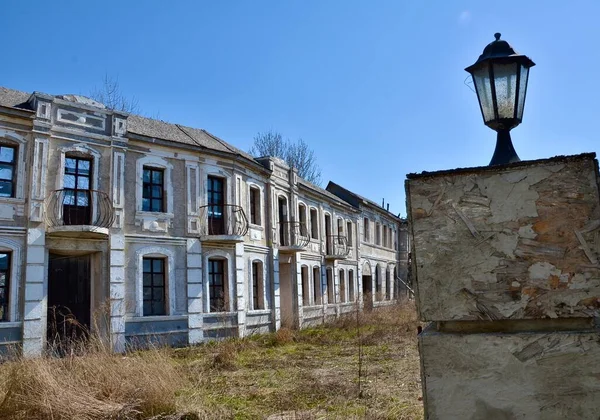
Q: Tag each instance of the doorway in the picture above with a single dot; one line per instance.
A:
(216, 206)
(328, 238)
(283, 219)
(69, 299)
(76, 200)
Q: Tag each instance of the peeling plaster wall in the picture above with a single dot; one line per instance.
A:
(511, 376)
(520, 242)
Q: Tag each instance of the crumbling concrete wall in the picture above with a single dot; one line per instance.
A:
(512, 242)
(506, 268)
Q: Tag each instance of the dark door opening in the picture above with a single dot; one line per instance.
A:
(367, 292)
(77, 197)
(328, 237)
(69, 285)
(282, 204)
(216, 206)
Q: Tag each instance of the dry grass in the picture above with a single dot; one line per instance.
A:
(308, 374)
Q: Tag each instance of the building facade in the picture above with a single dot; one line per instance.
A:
(136, 229)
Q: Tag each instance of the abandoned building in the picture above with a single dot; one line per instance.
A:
(136, 228)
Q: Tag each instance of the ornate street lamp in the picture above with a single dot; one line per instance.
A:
(500, 77)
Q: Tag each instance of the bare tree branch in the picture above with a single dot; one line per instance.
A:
(109, 94)
(296, 154)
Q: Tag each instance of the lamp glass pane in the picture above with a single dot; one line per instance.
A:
(505, 80)
(481, 78)
(522, 90)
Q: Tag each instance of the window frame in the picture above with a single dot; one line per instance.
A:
(349, 233)
(366, 230)
(317, 294)
(14, 169)
(159, 163)
(10, 138)
(255, 204)
(6, 315)
(314, 223)
(169, 256)
(152, 273)
(212, 287)
(257, 285)
(152, 170)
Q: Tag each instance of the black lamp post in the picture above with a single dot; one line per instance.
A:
(500, 77)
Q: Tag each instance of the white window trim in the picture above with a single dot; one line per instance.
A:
(21, 144)
(82, 149)
(159, 163)
(14, 247)
(261, 206)
(220, 254)
(217, 173)
(156, 252)
(266, 305)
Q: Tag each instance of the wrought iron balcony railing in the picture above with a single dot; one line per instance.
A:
(223, 220)
(336, 247)
(69, 207)
(293, 235)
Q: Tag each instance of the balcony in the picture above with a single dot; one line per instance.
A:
(223, 223)
(79, 213)
(336, 247)
(293, 237)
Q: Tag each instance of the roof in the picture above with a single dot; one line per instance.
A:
(139, 125)
(354, 199)
(304, 183)
(157, 129)
(14, 98)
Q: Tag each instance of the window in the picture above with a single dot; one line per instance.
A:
(314, 224)
(7, 171)
(330, 289)
(351, 286)
(377, 284)
(342, 287)
(255, 206)
(76, 199)
(154, 286)
(305, 288)
(349, 233)
(258, 290)
(302, 216)
(388, 285)
(216, 206)
(4, 285)
(340, 227)
(153, 190)
(317, 285)
(216, 285)
(385, 236)
(377, 234)
(366, 230)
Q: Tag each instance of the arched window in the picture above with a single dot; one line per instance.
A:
(10, 268)
(303, 222)
(258, 285)
(255, 205)
(305, 286)
(314, 223)
(155, 283)
(317, 285)
(351, 285)
(377, 283)
(330, 286)
(388, 284)
(12, 164)
(342, 286)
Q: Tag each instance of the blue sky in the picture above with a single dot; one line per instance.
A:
(375, 87)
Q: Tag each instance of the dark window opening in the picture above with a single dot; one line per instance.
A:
(154, 286)
(216, 285)
(216, 206)
(77, 197)
(7, 171)
(153, 197)
(255, 206)
(314, 224)
(4, 285)
(257, 286)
